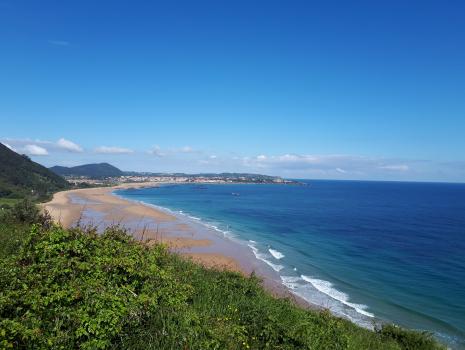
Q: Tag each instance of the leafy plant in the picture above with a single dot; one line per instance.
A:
(70, 289)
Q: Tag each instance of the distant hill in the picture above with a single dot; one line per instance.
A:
(96, 171)
(20, 177)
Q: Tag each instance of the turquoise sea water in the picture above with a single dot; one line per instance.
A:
(366, 250)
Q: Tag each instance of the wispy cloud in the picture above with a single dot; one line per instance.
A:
(156, 151)
(24, 146)
(186, 149)
(68, 145)
(8, 146)
(293, 165)
(325, 165)
(395, 167)
(159, 152)
(27, 146)
(113, 150)
(35, 150)
(59, 42)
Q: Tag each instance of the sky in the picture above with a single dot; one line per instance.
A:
(368, 90)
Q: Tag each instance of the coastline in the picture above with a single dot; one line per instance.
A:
(264, 262)
(100, 207)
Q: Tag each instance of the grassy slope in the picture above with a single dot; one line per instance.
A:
(70, 289)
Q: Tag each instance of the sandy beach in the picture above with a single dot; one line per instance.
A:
(101, 208)
(74, 207)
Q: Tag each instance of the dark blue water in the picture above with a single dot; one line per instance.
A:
(367, 250)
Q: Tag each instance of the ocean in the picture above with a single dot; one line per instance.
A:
(368, 251)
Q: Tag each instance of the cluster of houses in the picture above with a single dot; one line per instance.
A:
(80, 180)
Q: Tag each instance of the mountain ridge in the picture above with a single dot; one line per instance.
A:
(93, 170)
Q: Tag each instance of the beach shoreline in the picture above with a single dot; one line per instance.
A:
(101, 207)
(140, 220)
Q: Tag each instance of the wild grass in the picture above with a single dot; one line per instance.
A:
(75, 289)
(8, 202)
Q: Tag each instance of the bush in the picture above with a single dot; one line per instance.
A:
(69, 289)
(26, 212)
(11, 238)
(408, 339)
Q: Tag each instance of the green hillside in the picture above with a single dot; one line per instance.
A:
(21, 177)
(76, 289)
(95, 171)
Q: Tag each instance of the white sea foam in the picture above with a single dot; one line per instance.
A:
(290, 281)
(328, 289)
(263, 257)
(214, 227)
(276, 254)
(308, 288)
(225, 233)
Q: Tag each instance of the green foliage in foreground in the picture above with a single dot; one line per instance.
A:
(68, 289)
(7, 203)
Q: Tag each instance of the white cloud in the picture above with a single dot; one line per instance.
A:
(211, 160)
(301, 161)
(156, 151)
(68, 145)
(23, 145)
(35, 150)
(22, 142)
(395, 167)
(186, 149)
(113, 150)
(159, 152)
(335, 165)
(8, 146)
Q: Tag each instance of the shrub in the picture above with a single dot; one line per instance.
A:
(69, 289)
(26, 212)
(408, 339)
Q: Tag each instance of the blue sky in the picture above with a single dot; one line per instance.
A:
(329, 89)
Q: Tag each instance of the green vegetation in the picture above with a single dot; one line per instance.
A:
(8, 202)
(94, 171)
(21, 177)
(69, 289)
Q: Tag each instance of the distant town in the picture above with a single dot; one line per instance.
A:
(105, 174)
(79, 180)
